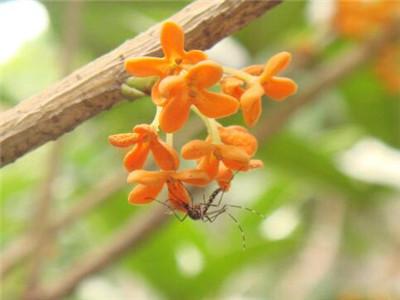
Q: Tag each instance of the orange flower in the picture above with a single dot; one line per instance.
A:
(238, 136)
(277, 88)
(181, 91)
(356, 19)
(175, 58)
(210, 155)
(145, 139)
(150, 184)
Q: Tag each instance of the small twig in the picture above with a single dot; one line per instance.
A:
(22, 247)
(136, 231)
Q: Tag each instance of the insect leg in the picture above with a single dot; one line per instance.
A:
(241, 230)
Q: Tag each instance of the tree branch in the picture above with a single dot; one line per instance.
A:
(22, 246)
(96, 86)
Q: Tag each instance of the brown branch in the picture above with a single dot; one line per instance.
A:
(326, 76)
(126, 239)
(96, 86)
(22, 247)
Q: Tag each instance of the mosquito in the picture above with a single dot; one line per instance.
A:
(209, 210)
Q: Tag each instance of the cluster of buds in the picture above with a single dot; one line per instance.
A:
(184, 79)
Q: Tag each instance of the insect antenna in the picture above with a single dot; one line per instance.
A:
(241, 230)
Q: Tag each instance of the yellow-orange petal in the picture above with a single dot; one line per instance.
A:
(240, 137)
(194, 56)
(147, 177)
(254, 69)
(275, 64)
(233, 157)
(232, 86)
(172, 86)
(224, 177)
(172, 40)
(142, 194)
(165, 156)
(204, 74)
(255, 164)
(196, 149)
(156, 96)
(209, 164)
(174, 114)
(147, 66)
(192, 176)
(216, 105)
(136, 157)
(250, 103)
(278, 88)
(178, 195)
(145, 129)
(123, 139)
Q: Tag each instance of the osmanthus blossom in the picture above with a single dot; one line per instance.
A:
(249, 86)
(150, 184)
(185, 79)
(145, 139)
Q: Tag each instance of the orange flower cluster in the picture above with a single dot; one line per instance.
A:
(183, 85)
(359, 18)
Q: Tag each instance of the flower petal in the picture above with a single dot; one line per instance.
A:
(278, 88)
(172, 40)
(251, 104)
(209, 164)
(136, 157)
(156, 96)
(193, 176)
(172, 86)
(147, 177)
(164, 155)
(174, 114)
(142, 194)
(234, 158)
(254, 69)
(196, 149)
(194, 56)
(275, 64)
(240, 137)
(224, 177)
(146, 66)
(178, 195)
(215, 105)
(205, 74)
(232, 86)
(123, 139)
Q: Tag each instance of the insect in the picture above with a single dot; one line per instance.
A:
(208, 210)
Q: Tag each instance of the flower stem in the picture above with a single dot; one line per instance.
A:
(156, 121)
(170, 139)
(211, 126)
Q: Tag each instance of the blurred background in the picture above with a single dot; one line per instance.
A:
(330, 188)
